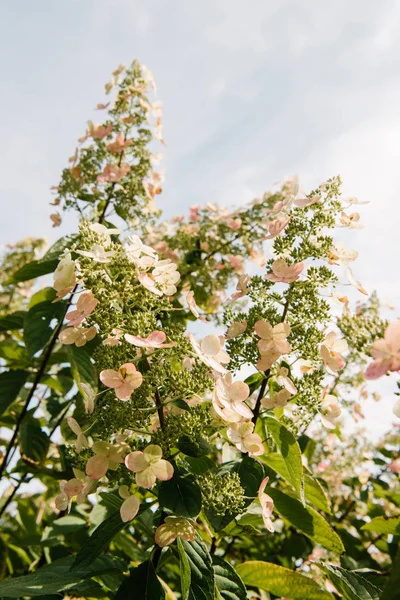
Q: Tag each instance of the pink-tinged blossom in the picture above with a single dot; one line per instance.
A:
(273, 342)
(156, 339)
(330, 411)
(234, 224)
(236, 262)
(98, 132)
(113, 173)
(80, 486)
(276, 399)
(124, 381)
(106, 456)
(77, 335)
(385, 352)
(89, 396)
(194, 213)
(282, 378)
(307, 201)
(149, 466)
(119, 144)
(102, 106)
(241, 434)
(115, 339)
(172, 528)
(64, 276)
(84, 307)
(267, 505)
(330, 352)
(340, 255)
(141, 255)
(98, 253)
(229, 399)
(193, 306)
(148, 282)
(187, 363)
(351, 221)
(353, 281)
(130, 506)
(242, 288)
(236, 329)
(165, 275)
(56, 219)
(81, 441)
(277, 226)
(284, 273)
(210, 351)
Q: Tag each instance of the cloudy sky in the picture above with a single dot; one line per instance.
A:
(252, 93)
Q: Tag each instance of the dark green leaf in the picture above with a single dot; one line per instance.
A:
(281, 581)
(228, 582)
(199, 466)
(37, 330)
(34, 269)
(290, 452)
(181, 494)
(34, 442)
(202, 575)
(194, 446)
(57, 577)
(82, 367)
(307, 520)
(98, 541)
(254, 381)
(12, 321)
(184, 567)
(142, 584)
(392, 587)
(351, 585)
(10, 384)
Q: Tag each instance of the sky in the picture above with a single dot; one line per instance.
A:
(251, 93)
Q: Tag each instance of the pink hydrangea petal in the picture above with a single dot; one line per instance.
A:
(136, 340)
(392, 334)
(152, 453)
(135, 461)
(97, 466)
(239, 391)
(163, 470)
(111, 378)
(146, 479)
(210, 345)
(129, 508)
(376, 369)
(124, 391)
(263, 329)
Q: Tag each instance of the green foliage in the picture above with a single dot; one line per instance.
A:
(352, 585)
(181, 494)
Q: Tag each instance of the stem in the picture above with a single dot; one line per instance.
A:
(160, 411)
(11, 496)
(260, 397)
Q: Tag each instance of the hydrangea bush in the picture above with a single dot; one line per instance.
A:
(174, 391)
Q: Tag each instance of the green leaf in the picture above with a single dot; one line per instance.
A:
(228, 582)
(34, 269)
(111, 500)
(254, 381)
(392, 587)
(290, 452)
(202, 575)
(98, 542)
(57, 577)
(142, 584)
(307, 520)
(281, 581)
(47, 294)
(315, 494)
(195, 447)
(184, 568)
(37, 330)
(350, 584)
(389, 525)
(12, 321)
(10, 384)
(83, 369)
(181, 494)
(59, 246)
(33, 441)
(199, 466)
(68, 524)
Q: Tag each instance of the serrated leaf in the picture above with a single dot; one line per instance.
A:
(142, 584)
(10, 384)
(199, 466)
(181, 494)
(184, 568)
(12, 321)
(392, 587)
(57, 577)
(202, 575)
(290, 451)
(280, 581)
(196, 447)
(389, 525)
(34, 269)
(351, 585)
(227, 580)
(37, 330)
(307, 520)
(33, 441)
